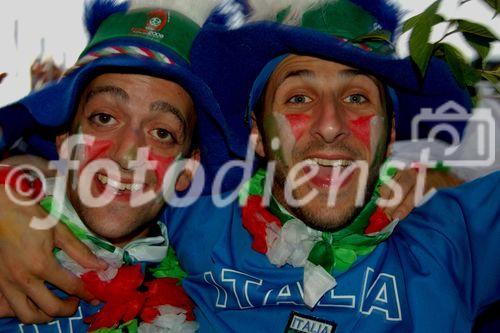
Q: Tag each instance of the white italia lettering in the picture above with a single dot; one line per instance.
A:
(55, 325)
(381, 295)
(77, 317)
(288, 294)
(309, 326)
(221, 301)
(240, 284)
(338, 301)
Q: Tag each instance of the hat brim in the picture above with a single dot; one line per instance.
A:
(229, 61)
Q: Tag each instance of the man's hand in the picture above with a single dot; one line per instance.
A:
(407, 179)
(43, 72)
(5, 310)
(27, 262)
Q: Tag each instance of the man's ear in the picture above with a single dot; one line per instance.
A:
(60, 140)
(187, 175)
(255, 132)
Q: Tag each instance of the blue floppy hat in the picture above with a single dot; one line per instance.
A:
(236, 58)
(151, 41)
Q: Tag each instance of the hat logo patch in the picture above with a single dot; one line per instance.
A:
(156, 21)
(153, 23)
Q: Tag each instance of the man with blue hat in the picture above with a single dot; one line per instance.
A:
(130, 101)
(319, 93)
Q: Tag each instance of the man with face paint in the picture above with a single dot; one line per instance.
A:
(325, 116)
(125, 112)
(319, 93)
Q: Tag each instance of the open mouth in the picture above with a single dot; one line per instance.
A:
(321, 162)
(330, 172)
(121, 189)
(105, 180)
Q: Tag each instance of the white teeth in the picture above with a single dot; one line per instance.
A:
(137, 187)
(119, 186)
(329, 163)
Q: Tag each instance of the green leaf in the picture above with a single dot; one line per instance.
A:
(420, 48)
(476, 29)
(481, 45)
(454, 59)
(412, 21)
(495, 4)
(493, 77)
(420, 53)
(464, 73)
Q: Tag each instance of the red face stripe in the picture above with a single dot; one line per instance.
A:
(298, 124)
(361, 128)
(163, 163)
(97, 149)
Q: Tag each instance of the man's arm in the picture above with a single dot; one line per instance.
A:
(407, 179)
(459, 229)
(28, 262)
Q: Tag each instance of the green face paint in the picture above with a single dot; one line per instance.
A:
(379, 143)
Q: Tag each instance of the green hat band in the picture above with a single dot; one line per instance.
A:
(167, 28)
(348, 22)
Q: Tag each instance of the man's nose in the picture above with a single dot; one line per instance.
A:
(329, 122)
(127, 144)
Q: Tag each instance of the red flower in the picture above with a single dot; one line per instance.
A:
(378, 221)
(255, 219)
(123, 301)
(168, 291)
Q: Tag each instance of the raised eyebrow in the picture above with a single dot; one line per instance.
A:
(162, 106)
(112, 90)
(350, 73)
(303, 73)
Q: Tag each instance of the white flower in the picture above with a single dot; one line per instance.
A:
(291, 244)
(170, 320)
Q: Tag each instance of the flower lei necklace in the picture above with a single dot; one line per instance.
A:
(137, 297)
(285, 239)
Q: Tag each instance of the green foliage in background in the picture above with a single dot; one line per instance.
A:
(478, 36)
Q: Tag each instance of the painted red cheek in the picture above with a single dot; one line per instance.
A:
(97, 149)
(94, 151)
(163, 163)
(298, 123)
(361, 128)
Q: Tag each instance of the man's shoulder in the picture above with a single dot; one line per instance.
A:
(457, 233)
(465, 217)
(479, 189)
(478, 197)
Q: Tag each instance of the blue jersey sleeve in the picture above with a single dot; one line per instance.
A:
(461, 236)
